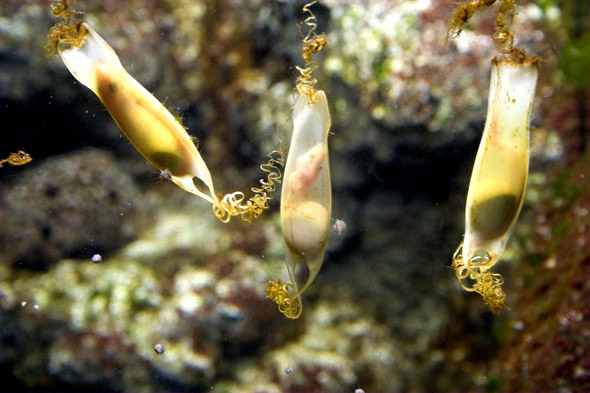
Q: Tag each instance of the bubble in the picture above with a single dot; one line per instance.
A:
(340, 227)
(166, 175)
(480, 258)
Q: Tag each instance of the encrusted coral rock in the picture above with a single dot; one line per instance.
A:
(103, 326)
(73, 205)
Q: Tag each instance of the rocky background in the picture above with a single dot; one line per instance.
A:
(386, 312)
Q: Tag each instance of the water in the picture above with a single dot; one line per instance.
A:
(386, 312)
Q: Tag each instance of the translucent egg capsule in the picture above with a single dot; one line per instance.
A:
(306, 199)
(150, 127)
(499, 176)
(498, 181)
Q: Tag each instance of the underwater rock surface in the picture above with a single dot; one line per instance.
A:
(77, 204)
(205, 305)
(546, 340)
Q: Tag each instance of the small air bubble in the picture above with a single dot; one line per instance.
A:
(166, 175)
(86, 111)
(340, 227)
(159, 348)
(480, 258)
(23, 304)
(288, 370)
(96, 258)
(36, 306)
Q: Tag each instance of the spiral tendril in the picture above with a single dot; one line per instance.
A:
(503, 36)
(478, 277)
(63, 36)
(312, 43)
(18, 158)
(235, 204)
(281, 293)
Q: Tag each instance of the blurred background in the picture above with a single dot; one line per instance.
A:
(386, 312)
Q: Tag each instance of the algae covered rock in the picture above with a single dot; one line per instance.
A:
(203, 310)
(76, 204)
(545, 340)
